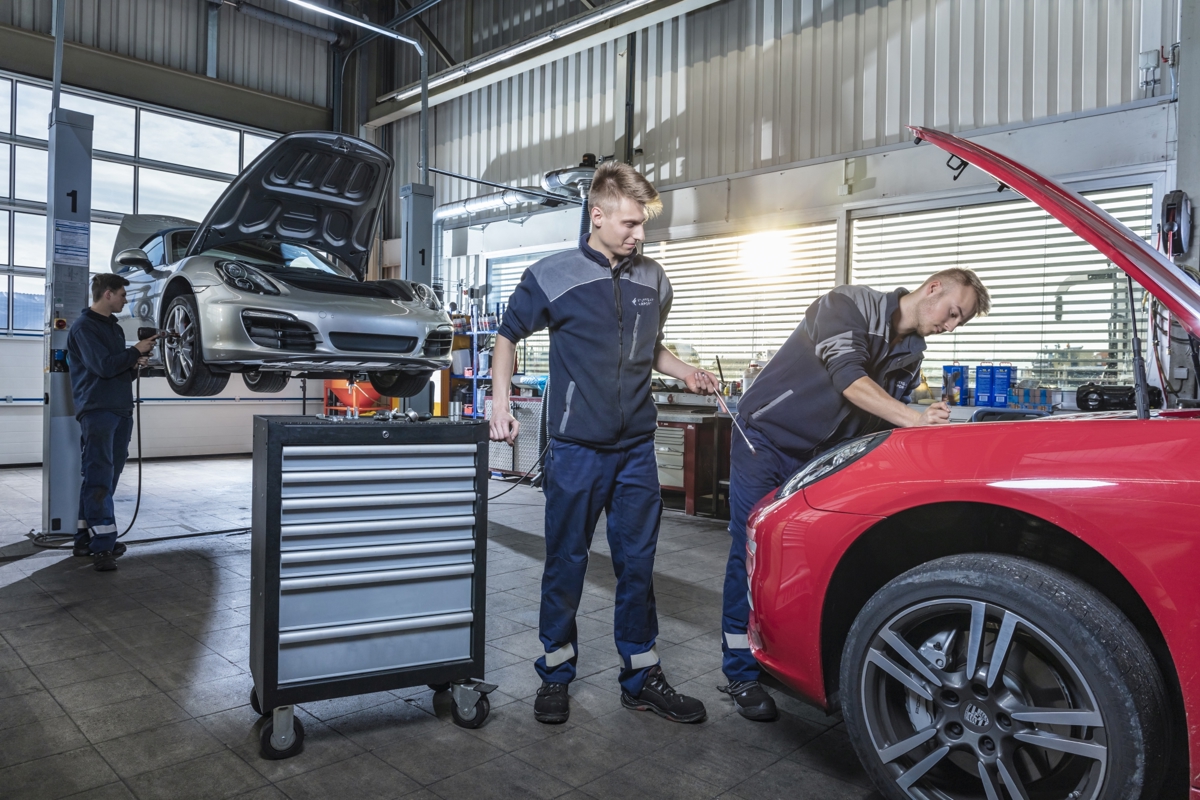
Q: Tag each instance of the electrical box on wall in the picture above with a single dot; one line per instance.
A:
(1176, 222)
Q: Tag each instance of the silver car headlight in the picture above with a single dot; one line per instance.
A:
(427, 296)
(245, 278)
(825, 465)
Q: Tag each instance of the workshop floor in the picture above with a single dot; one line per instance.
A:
(136, 683)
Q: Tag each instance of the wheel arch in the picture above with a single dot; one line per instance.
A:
(176, 286)
(924, 533)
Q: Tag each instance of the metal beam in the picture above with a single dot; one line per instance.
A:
(564, 39)
(437, 46)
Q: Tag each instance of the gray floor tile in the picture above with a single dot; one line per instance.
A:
(177, 674)
(121, 719)
(340, 706)
(236, 728)
(76, 670)
(648, 778)
(40, 739)
(18, 681)
(511, 726)
(499, 779)
(23, 709)
(56, 776)
(578, 756)
(832, 753)
(322, 746)
(715, 759)
(781, 781)
(201, 699)
(438, 754)
(381, 725)
(103, 691)
(110, 791)
(209, 777)
(361, 776)
(150, 750)
(61, 650)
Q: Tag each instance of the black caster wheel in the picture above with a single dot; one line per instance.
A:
(257, 706)
(268, 749)
(439, 687)
(478, 714)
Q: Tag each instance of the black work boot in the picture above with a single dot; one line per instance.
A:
(552, 706)
(658, 696)
(85, 549)
(104, 561)
(753, 701)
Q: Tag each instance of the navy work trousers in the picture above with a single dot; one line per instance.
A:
(751, 477)
(579, 483)
(105, 441)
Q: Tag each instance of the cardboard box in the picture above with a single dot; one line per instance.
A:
(1002, 378)
(983, 385)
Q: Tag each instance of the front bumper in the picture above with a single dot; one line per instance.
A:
(309, 331)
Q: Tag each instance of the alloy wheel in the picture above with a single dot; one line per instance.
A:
(967, 700)
(179, 349)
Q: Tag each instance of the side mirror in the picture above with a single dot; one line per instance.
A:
(134, 257)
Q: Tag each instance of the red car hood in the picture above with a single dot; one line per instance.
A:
(1123, 247)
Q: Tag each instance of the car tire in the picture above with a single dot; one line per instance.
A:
(399, 384)
(183, 359)
(265, 382)
(1098, 731)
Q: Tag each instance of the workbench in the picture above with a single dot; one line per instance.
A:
(705, 462)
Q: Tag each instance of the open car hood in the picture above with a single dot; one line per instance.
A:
(314, 187)
(136, 229)
(1150, 268)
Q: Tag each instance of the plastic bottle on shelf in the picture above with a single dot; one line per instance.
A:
(749, 374)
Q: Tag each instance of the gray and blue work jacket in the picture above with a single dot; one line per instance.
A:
(102, 366)
(797, 402)
(606, 324)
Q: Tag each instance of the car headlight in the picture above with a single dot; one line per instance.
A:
(824, 465)
(245, 278)
(427, 296)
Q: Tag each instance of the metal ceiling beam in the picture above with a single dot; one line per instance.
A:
(566, 38)
(437, 46)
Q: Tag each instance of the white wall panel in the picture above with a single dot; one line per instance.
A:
(749, 84)
(174, 33)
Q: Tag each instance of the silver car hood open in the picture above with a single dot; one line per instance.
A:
(314, 187)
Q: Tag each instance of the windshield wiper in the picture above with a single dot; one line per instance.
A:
(1141, 393)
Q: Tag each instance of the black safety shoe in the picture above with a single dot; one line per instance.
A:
(84, 549)
(104, 562)
(752, 700)
(658, 696)
(552, 706)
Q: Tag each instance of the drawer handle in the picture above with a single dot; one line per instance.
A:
(359, 578)
(370, 628)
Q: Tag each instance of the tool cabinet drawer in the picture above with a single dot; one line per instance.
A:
(365, 597)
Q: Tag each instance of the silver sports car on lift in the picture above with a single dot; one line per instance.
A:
(271, 283)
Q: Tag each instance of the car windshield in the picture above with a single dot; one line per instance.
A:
(282, 255)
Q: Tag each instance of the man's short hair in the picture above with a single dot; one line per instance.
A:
(614, 180)
(106, 282)
(965, 277)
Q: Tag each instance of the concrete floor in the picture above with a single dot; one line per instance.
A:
(136, 683)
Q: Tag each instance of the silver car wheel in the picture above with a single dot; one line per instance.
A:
(180, 348)
(965, 699)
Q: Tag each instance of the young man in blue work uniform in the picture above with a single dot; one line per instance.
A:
(605, 306)
(841, 374)
(102, 374)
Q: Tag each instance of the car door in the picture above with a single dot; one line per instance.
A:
(142, 294)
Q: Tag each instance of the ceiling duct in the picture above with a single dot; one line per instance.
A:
(568, 183)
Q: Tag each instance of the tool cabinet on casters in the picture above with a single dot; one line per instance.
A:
(368, 565)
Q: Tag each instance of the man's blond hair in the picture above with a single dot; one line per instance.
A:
(614, 180)
(965, 277)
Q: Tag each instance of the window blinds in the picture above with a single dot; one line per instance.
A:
(740, 297)
(1059, 308)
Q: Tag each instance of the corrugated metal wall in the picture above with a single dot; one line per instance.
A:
(174, 33)
(749, 84)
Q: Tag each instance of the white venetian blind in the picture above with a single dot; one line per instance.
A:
(1059, 308)
(739, 297)
(504, 273)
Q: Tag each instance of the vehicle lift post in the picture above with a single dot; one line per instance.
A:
(416, 264)
(68, 227)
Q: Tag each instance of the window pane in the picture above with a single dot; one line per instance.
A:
(31, 174)
(5, 153)
(33, 111)
(112, 187)
(29, 303)
(5, 119)
(176, 195)
(3, 237)
(112, 125)
(252, 147)
(29, 240)
(104, 236)
(3, 302)
(181, 141)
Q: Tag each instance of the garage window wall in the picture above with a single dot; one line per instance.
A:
(145, 160)
(740, 297)
(504, 273)
(1060, 312)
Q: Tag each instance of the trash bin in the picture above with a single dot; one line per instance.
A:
(368, 565)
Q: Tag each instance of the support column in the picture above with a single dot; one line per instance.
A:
(1188, 165)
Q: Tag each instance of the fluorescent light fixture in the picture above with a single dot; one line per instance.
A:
(1050, 483)
(362, 23)
(441, 79)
